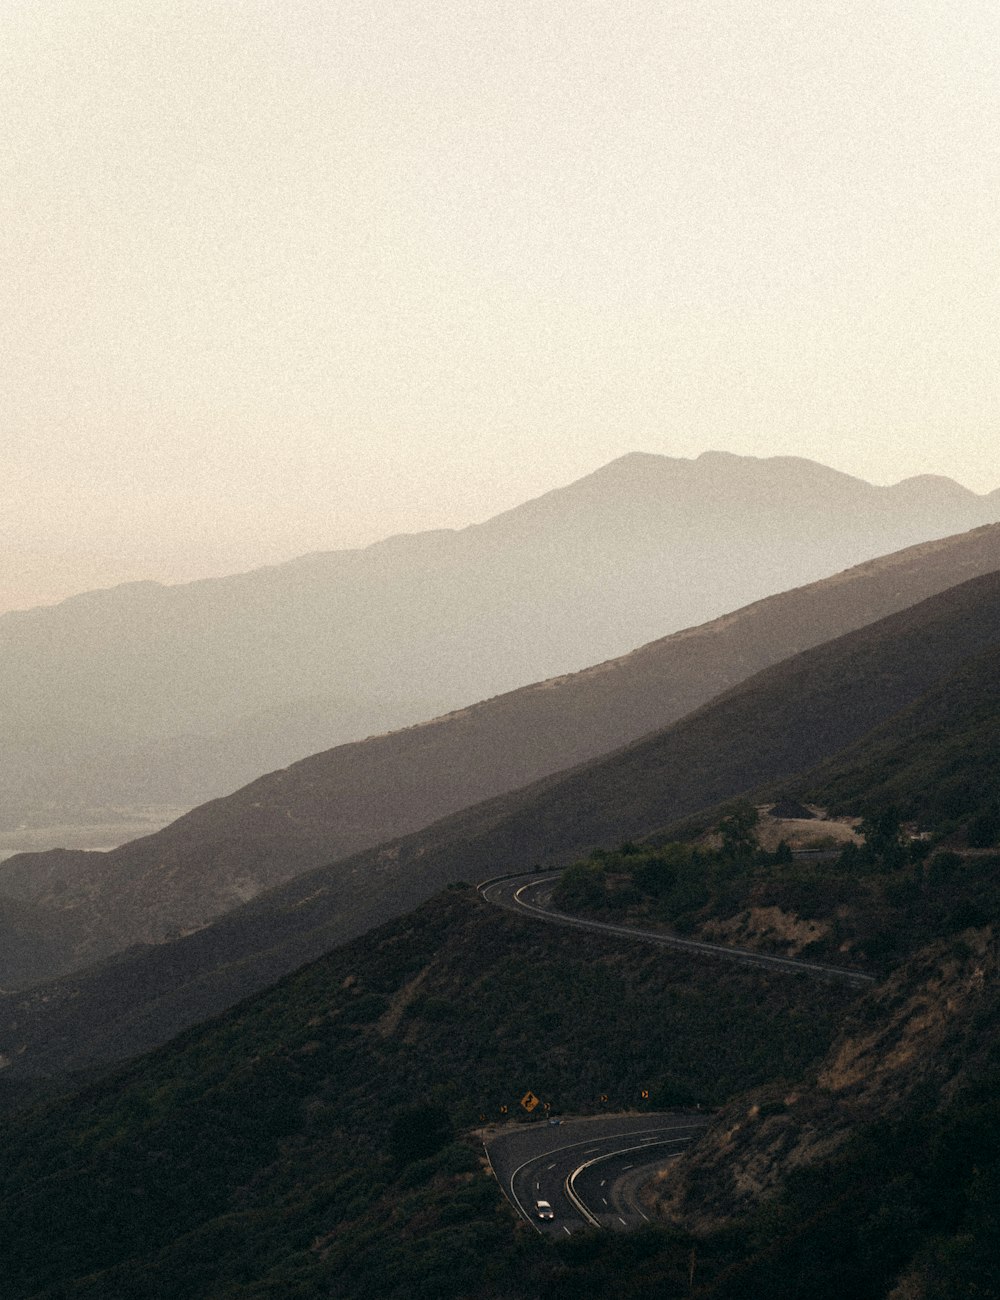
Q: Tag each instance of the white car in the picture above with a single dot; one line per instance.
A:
(543, 1210)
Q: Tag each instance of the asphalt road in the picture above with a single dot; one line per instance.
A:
(531, 895)
(589, 1170)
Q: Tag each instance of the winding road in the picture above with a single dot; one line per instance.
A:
(589, 1170)
(531, 894)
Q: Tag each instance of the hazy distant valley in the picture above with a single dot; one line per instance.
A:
(103, 829)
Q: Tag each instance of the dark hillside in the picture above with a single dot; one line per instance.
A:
(350, 798)
(885, 1159)
(875, 1176)
(270, 1152)
(36, 943)
(921, 865)
(784, 720)
(937, 762)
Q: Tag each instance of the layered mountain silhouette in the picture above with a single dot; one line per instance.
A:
(781, 721)
(277, 1142)
(359, 795)
(147, 694)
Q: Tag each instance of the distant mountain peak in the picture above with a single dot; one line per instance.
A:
(727, 457)
(936, 486)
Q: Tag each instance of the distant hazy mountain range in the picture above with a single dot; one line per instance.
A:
(781, 721)
(150, 694)
(362, 794)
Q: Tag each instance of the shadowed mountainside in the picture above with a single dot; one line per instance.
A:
(359, 795)
(170, 695)
(782, 721)
(268, 1144)
(36, 943)
(311, 1138)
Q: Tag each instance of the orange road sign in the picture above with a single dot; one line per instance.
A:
(529, 1101)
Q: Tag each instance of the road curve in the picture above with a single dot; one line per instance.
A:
(531, 894)
(587, 1169)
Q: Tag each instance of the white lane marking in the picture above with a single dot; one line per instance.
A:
(604, 1199)
(569, 1146)
(624, 1167)
(538, 1187)
(622, 1221)
(744, 955)
(603, 1181)
(645, 1216)
(569, 1184)
(551, 1166)
(566, 1230)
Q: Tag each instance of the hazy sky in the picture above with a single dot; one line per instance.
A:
(286, 276)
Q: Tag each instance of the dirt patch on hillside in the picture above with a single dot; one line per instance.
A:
(766, 927)
(816, 832)
(921, 1029)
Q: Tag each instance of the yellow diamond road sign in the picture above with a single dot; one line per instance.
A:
(529, 1101)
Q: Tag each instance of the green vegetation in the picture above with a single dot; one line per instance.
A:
(872, 904)
(931, 769)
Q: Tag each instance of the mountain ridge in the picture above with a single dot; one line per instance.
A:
(139, 695)
(345, 800)
(782, 721)
(606, 472)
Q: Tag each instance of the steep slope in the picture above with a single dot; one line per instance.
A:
(885, 1160)
(919, 864)
(284, 1150)
(355, 796)
(936, 762)
(785, 719)
(151, 694)
(36, 943)
(887, 1155)
(920, 1034)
